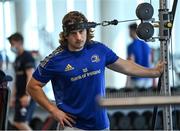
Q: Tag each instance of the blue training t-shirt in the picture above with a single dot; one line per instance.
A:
(141, 52)
(78, 79)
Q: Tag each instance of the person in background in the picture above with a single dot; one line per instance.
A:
(1, 61)
(76, 70)
(140, 53)
(24, 66)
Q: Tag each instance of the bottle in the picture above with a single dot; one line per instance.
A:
(23, 111)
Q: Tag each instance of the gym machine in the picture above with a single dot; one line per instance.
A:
(145, 31)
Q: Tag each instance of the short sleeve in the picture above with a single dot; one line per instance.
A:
(129, 50)
(110, 56)
(29, 61)
(43, 74)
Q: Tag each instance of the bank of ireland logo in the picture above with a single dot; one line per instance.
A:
(69, 67)
(95, 58)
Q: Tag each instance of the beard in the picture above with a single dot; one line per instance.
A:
(78, 45)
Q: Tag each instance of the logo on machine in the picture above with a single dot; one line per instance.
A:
(95, 58)
(69, 67)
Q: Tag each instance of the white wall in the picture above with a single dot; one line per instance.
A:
(116, 37)
(176, 31)
(7, 27)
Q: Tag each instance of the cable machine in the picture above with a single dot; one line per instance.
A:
(145, 31)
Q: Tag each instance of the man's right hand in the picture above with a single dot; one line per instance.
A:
(63, 118)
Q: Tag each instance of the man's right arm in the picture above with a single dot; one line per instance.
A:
(34, 88)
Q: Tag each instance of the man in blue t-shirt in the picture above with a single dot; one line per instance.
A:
(140, 53)
(76, 70)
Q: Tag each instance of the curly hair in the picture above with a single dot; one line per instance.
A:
(73, 17)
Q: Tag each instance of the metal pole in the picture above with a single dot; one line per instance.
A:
(164, 35)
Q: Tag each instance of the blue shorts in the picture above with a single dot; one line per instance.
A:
(24, 114)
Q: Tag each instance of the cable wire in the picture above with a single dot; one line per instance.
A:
(173, 83)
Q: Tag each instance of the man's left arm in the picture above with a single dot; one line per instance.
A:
(26, 98)
(29, 73)
(29, 65)
(130, 68)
